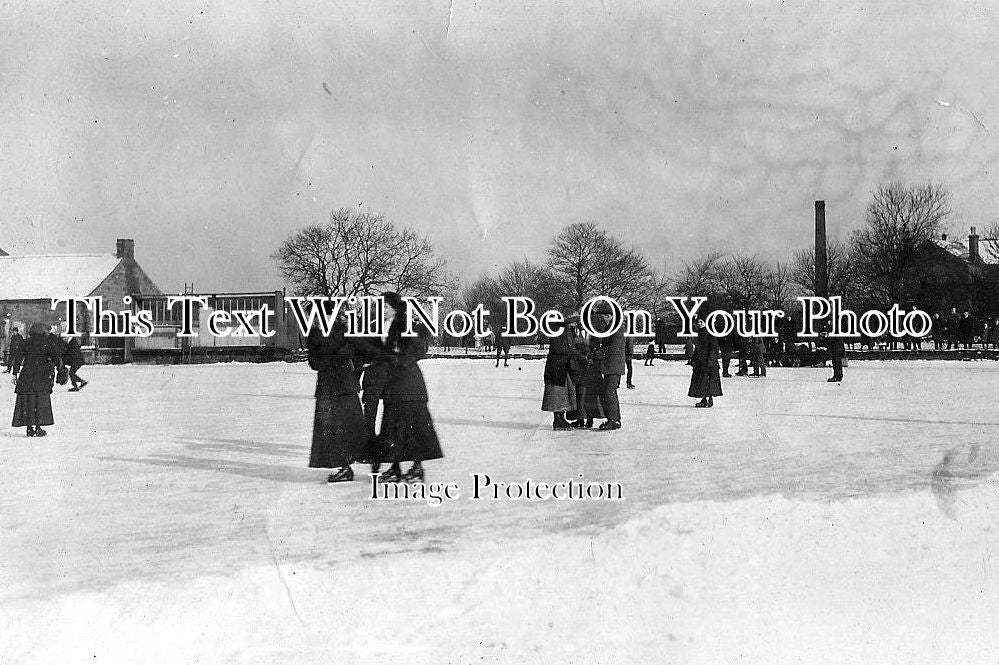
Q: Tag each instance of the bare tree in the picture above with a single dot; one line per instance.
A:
(842, 276)
(744, 281)
(700, 277)
(361, 253)
(899, 220)
(585, 261)
(777, 286)
(657, 289)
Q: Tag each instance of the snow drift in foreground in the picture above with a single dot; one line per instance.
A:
(168, 519)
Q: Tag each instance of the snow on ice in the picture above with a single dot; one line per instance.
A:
(169, 517)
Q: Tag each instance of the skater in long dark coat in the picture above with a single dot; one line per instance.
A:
(837, 351)
(15, 352)
(560, 391)
(339, 433)
(408, 432)
(705, 382)
(610, 353)
(72, 357)
(373, 381)
(590, 383)
(41, 361)
(661, 335)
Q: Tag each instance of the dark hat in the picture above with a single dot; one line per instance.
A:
(38, 328)
(393, 299)
(603, 307)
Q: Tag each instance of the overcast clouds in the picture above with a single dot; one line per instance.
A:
(204, 131)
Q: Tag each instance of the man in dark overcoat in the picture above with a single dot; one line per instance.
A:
(629, 350)
(661, 334)
(72, 357)
(610, 355)
(15, 352)
(837, 351)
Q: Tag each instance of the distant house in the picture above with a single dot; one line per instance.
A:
(951, 273)
(28, 284)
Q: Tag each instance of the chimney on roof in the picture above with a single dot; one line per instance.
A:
(125, 249)
(943, 236)
(974, 255)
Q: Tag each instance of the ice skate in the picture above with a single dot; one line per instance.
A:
(393, 475)
(31, 431)
(40, 432)
(703, 404)
(342, 475)
(414, 475)
(610, 425)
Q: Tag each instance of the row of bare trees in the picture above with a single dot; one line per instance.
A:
(361, 253)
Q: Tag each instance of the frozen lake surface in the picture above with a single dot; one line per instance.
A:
(169, 517)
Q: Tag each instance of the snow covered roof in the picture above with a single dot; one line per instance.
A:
(958, 249)
(44, 276)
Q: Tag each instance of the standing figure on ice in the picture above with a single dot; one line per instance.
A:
(704, 379)
(15, 352)
(837, 351)
(560, 391)
(610, 353)
(408, 432)
(73, 358)
(377, 361)
(339, 433)
(502, 347)
(586, 378)
(41, 361)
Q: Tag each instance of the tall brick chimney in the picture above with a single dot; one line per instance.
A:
(821, 255)
(974, 253)
(125, 250)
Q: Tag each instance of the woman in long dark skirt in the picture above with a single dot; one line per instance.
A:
(407, 432)
(41, 361)
(705, 382)
(560, 391)
(339, 433)
(590, 386)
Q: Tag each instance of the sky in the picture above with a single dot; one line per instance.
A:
(209, 132)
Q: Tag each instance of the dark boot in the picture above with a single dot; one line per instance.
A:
(560, 423)
(703, 404)
(31, 430)
(711, 402)
(39, 431)
(393, 475)
(342, 475)
(414, 475)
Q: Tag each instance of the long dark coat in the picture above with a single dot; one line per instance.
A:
(660, 332)
(339, 433)
(560, 393)
(705, 381)
(560, 354)
(610, 352)
(15, 351)
(34, 383)
(407, 429)
(73, 355)
(590, 386)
